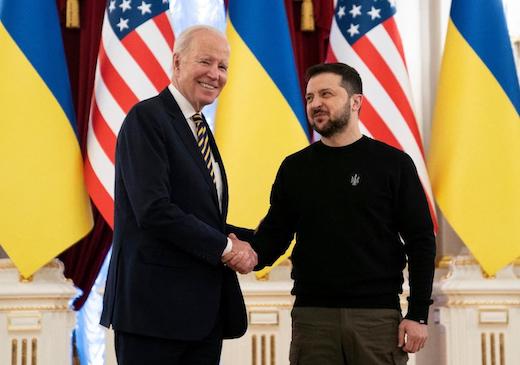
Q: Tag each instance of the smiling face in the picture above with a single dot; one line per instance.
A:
(200, 69)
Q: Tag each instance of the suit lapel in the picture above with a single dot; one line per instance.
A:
(184, 131)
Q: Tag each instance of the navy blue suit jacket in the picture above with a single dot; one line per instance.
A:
(166, 278)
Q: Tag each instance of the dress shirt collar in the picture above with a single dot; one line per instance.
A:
(185, 106)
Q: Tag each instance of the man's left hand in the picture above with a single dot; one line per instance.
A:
(412, 335)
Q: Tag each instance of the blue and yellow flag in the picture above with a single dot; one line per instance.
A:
(475, 151)
(260, 117)
(44, 207)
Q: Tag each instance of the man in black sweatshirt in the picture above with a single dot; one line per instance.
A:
(360, 214)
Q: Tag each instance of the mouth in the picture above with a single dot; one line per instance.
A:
(319, 112)
(207, 86)
(320, 116)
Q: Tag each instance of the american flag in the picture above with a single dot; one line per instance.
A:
(364, 35)
(134, 63)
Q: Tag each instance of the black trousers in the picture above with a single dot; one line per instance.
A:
(133, 349)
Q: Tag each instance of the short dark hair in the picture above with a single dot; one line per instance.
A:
(350, 79)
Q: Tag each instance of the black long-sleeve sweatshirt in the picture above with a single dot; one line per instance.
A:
(359, 213)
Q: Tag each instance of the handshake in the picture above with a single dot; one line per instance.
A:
(242, 257)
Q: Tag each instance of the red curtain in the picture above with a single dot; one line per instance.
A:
(83, 260)
(310, 48)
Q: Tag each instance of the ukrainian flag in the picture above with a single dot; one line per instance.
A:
(260, 117)
(44, 207)
(475, 151)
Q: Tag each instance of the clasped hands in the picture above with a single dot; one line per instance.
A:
(242, 257)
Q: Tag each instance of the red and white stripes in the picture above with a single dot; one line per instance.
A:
(134, 68)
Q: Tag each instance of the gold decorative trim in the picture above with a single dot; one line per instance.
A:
(34, 351)
(502, 349)
(250, 306)
(49, 308)
(24, 321)
(23, 279)
(457, 293)
(504, 311)
(14, 351)
(60, 296)
(487, 276)
(273, 350)
(444, 262)
(483, 348)
(464, 303)
(263, 348)
(254, 349)
(24, 351)
(252, 313)
(493, 351)
(465, 261)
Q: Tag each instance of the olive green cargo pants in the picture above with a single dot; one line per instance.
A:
(345, 336)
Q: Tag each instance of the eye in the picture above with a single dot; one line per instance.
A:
(308, 98)
(223, 67)
(204, 62)
(326, 93)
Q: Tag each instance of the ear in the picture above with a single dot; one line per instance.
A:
(176, 61)
(355, 102)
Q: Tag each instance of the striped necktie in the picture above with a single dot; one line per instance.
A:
(203, 143)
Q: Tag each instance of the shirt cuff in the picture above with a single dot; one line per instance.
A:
(228, 248)
(418, 311)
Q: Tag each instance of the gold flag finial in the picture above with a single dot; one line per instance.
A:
(72, 20)
(307, 23)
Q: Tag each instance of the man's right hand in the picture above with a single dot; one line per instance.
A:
(412, 335)
(242, 257)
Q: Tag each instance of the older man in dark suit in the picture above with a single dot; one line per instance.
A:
(169, 297)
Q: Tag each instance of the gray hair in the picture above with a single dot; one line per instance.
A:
(183, 42)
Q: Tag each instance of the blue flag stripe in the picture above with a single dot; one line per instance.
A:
(482, 23)
(24, 24)
(269, 39)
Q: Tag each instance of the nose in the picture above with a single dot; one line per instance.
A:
(314, 103)
(213, 72)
